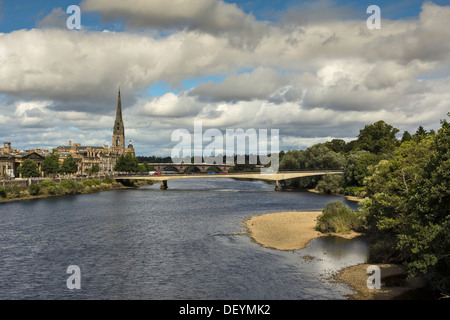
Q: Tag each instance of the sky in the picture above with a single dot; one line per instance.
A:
(313, 70)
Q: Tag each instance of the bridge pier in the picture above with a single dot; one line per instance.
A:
(163, 184)
(277, 186)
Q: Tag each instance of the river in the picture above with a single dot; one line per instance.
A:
(187, 242)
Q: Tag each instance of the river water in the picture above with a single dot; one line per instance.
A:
(187, 242)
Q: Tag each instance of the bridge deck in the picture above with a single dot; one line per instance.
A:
(258, 176)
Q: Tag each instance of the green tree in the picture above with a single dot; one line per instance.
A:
(320, 157)
(51, 164)
(336, 145)
(290, 160)
(406, 136)
(409, 201)
(28, 169)
(94, 169)
(142, 167)
(377, 138)
(357, 167)
(420, 134)
(426, 236)
(69, 165)
(331, 183)
(126, 163)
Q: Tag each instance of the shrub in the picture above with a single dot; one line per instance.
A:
(91, 182)
(70, 186)
(108, 180)
(34, 189)
(3, 192)
(46, 183)
(338, 218)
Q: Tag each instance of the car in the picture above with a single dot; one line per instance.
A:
(211, 172)
(225, 172)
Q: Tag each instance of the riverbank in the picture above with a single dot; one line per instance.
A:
(350, 198)
(293, 230)
(55, 190)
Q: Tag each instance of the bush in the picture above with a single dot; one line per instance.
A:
(3, 192)
(70, 186)
(338, 218)
(46, 183)
(34, 189)
(108, 180)
(54, 190)
(91, 182)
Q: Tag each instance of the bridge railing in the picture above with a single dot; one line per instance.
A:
(228, 172)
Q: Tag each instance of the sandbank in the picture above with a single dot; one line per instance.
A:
(293, 230)
(286, 230)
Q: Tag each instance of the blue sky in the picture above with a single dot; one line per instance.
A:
(311, 69)
(17, 15)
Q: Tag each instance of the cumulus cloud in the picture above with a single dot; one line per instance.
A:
(210, 16)
(313, 80)
(261, 83)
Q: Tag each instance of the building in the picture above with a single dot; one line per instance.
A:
(86, 156)
(104, 157)
(11, 159)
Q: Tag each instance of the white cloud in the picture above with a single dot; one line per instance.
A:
(314, 80)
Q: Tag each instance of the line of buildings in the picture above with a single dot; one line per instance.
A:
(86, 156)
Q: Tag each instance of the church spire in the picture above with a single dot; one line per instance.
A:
(118, 130)
(119, 108)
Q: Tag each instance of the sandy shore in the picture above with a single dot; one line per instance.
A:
(287, 230)
(293, 230)
(394, 283)
(284, 230)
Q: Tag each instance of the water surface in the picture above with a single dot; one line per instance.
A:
(187, 242)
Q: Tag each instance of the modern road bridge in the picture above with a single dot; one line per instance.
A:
(279, 176)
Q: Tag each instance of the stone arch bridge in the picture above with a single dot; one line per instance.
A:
(181, 168)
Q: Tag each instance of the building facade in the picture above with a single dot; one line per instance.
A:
(11, 159)
(86, 156)
(104, 157)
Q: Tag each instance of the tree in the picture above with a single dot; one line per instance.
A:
(409, 201)
(141, 167)
(126, 163)
(336, 145)
(69, 165)
(377, 138)
(51, 164)
(426, 238)
(28, 169)
(406, 136)
(94, 169)
(331, 183)
(290, 160)
(320, 157)
(357, 167)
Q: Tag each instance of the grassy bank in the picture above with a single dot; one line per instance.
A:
(51, 188)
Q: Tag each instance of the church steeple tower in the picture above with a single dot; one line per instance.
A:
(118, 130)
